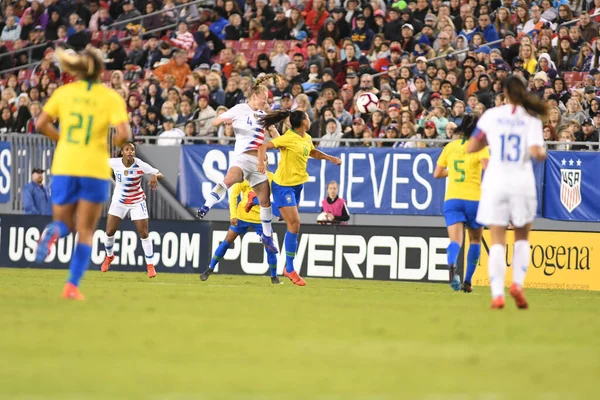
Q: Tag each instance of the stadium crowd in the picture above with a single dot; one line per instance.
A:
(182, 63)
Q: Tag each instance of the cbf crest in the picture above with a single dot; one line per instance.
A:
(570, 185)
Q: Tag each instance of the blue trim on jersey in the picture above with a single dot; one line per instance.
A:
(67, 189)
(465, 211)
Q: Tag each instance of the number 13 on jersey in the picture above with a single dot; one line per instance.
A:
(510, 147)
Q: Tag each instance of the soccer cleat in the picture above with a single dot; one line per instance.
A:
(294, 277)
(466, 287)
(72, 292)
(106, 264)
(47, 239)
(275, 281)
(498, 302)
(204, 276)
(151, 271)
(269, 245)
(454, 278)
(250, 203)
(518, 294)
(202, 211)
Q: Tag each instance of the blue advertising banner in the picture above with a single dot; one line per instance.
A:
(5, 164)
(372, 181)
(572, 186)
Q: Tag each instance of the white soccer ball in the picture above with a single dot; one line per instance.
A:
(324, 217)
(367, 103)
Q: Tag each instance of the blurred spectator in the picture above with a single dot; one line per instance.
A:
(278, 28)
(176, 67)
(116, 55)
(333, 132)
(81, 38)
(333, 208)
(170, 136)
(129, 12)
(182, 38)
(6, 120)
(315, 18)
(588, 133)
(36, 197)
(151, 22)
(205, 118)
(11, 31)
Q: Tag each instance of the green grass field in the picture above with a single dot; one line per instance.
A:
(242, 338)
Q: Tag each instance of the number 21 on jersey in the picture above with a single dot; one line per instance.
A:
(79, 131)
(510, 147)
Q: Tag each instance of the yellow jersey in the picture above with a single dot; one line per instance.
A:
(85, 110)
(464, 170)
(295, 150)
(238, 198)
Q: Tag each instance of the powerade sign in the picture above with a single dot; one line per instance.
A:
(372, 181)
(178, 246)
(5, 166)
(356, 252)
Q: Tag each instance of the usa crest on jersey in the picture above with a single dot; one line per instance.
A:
(570, 188)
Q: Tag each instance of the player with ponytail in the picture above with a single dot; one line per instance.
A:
(85, 110)
(296, 147)
(508, 192)
(249, 136)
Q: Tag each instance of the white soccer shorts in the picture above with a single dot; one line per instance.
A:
(249, 166)
(136, 211)
(500, 209)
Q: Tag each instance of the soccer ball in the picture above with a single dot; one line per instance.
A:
(367, 103)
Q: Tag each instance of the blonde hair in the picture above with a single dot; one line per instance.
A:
(86, 65)
(258, 86)
(215, 76)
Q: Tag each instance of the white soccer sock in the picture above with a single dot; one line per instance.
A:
(148, 247)
(216, 194)
(497, 269)
(109, 242)
(266, 215)
(520, 261)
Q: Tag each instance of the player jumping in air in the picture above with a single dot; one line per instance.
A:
(463, 191)
(508, 194)
(85, 110)
(249, 135)
(295, 146)
(243, 215)
(129, 198)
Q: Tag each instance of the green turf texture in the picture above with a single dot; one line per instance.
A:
(235, 337)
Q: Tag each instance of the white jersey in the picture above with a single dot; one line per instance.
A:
(249, 134)
(510, 132)
(128, 189)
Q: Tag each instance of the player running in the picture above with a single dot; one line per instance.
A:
(295, 146)
(508, 193)
(129, 198)
(462, 199)
(249, 135)
(85, 110)
(243, 215)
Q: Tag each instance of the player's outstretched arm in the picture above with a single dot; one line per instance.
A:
(219, 121)
(154, 180)
(538, 153)
(262, 156)
(45, 126)
(319, 155)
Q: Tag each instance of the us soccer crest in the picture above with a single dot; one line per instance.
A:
(126, 172)
(570, 187)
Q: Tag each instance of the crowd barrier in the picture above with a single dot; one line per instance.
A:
(395, 181)
(559, 260)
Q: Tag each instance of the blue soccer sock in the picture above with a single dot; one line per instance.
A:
(79, 262)
(291, 245)
(272, 260)
(472, 261)
(219, 253)
(452, 252)
(61, 227)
